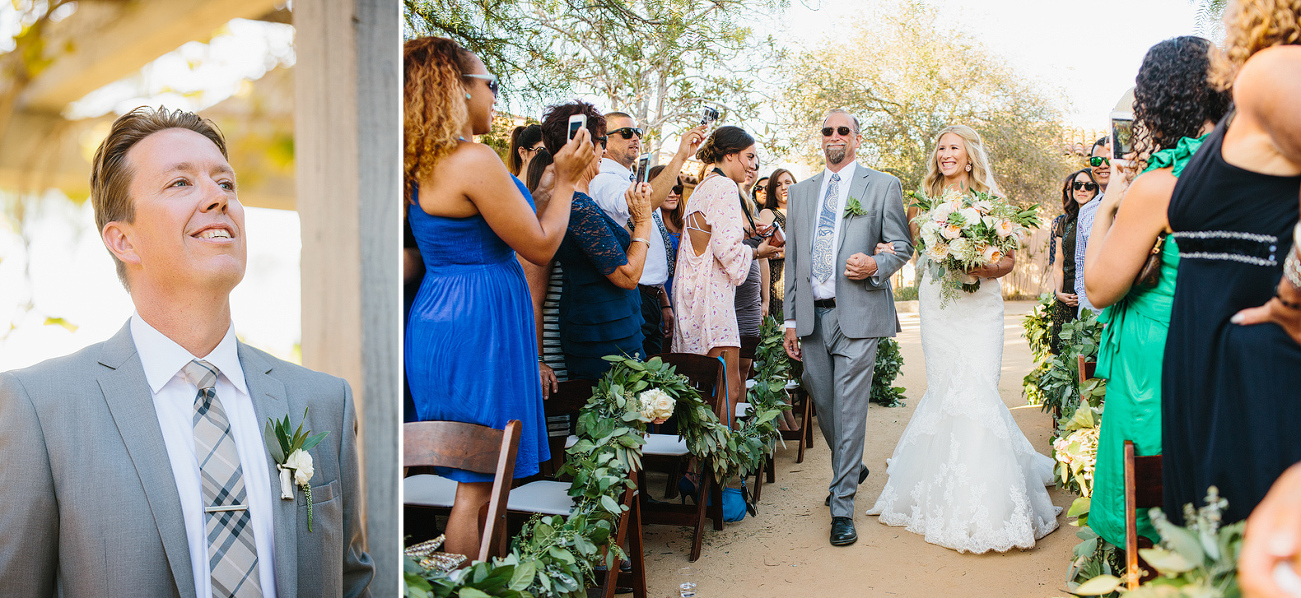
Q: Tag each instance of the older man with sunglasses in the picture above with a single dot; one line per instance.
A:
(839, 303)
(607, 188)
(1100, 162)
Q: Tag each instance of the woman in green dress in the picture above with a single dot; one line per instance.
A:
(1174, 107)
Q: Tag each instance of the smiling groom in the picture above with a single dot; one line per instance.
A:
(137, 466)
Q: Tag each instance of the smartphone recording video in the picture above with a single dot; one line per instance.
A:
(1122, 137)
(576, 122)
(643, 168)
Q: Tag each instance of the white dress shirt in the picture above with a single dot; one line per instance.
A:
(173, 396)
(607, 189)
(827, 288)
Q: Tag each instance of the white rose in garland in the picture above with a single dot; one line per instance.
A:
(656, 406)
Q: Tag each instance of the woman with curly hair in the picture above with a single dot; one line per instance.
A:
(1229, 406)
(1174, 108)
(712, 257)
(470, 351)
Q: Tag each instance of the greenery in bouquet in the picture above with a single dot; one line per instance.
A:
(1199, 560)
(960, 231)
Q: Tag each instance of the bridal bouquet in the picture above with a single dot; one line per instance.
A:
(961, 231)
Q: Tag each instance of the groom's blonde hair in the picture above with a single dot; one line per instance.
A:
(933, 184)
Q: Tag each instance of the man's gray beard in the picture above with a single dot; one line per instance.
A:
(834, 157)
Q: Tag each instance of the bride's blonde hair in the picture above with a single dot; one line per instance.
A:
(933, 184)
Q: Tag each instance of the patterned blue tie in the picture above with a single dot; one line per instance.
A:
(823, 254)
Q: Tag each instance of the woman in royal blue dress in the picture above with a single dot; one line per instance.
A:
(471, 355)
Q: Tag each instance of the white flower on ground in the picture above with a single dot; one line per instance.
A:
(301, 463)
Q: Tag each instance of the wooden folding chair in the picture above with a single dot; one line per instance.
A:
(551, 497)
(706, 375)
(802, 435)
(462, 446)
(1142, 491)
(1087, 369)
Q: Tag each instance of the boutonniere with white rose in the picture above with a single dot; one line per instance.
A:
(289, 449)
(854, 208)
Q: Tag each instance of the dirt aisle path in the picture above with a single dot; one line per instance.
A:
(785, 551)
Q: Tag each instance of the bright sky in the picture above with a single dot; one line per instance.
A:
(71, 274)
(1090, 51)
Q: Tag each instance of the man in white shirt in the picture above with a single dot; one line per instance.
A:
(137, 466)
(839, 303)
(622, 149)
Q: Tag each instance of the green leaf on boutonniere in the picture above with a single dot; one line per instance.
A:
(854, 208)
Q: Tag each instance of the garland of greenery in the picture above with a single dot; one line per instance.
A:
(556, 556)
(888, 363)
(1038, 327)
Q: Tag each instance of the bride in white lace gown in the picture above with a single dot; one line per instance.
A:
(963, 474)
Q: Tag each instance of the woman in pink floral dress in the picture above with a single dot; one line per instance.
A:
(712, 259)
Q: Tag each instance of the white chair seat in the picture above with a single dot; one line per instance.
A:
(665, 444)
(428, 490)
(545, 496)
(743, 409)
(792, 384)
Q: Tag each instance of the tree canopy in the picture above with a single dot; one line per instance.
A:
(906, 75)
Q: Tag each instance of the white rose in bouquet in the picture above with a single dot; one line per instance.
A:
(962, 249)
(970, 215)
(951, 231)
(991, 255)
(984, 206)
(301, 462)
(937, 251)
(1004, 228)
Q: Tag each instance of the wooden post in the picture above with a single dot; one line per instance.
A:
(348, 158)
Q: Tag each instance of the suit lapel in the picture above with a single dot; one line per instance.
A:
(810, 208)
(857, 189)
(269, 401)
(130, 401)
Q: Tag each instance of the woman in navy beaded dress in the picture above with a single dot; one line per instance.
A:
(471, 352)
(1230, 408)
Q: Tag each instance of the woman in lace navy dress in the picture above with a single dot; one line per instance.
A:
(470, 349)
(600, 308)
(1230, 408)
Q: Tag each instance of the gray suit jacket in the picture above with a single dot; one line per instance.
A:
(88, 502)
(864, 308)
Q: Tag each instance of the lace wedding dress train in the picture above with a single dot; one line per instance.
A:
(963, 474)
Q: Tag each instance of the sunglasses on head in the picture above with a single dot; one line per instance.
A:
(844, 131)
(628, 132)
(1077, 185)
(493, 85)
(1096, 161)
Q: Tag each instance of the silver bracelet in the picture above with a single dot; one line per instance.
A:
(1292, 265)
(646, 241)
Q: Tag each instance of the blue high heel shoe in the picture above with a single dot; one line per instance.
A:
(688, 488)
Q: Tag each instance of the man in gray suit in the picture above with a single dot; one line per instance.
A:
(137, 467)
(838, 297)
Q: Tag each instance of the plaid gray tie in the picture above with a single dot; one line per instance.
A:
(823, 255)
(232, 554)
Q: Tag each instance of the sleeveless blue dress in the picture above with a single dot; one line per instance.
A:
(471, 350)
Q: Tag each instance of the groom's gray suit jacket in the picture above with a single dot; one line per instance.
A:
(865, 308)
(88, 502)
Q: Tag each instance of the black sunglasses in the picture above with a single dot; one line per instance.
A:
(844, 131)
(676, 189)
(1085, 186)
(604, 139)
(628, 132)
(1096, 161)
(493, 85)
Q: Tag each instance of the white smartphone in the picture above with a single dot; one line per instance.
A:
(576, 122)
(1122, 137)
(643, 168)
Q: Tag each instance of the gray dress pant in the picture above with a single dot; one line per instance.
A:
(838, 375)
